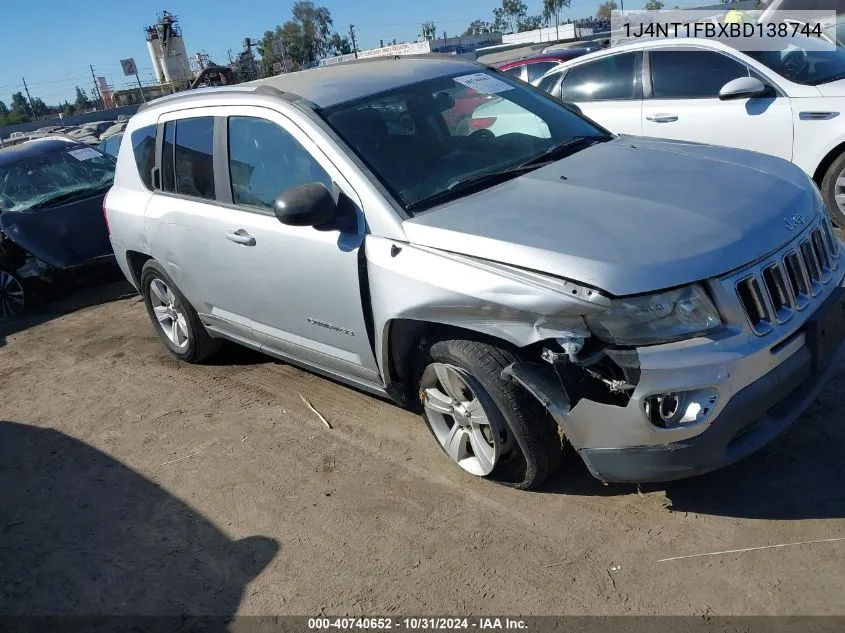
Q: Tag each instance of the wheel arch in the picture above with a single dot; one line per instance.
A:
(827, 161)
(136, 260)
(403, 338)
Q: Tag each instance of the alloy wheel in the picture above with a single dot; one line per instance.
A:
(839, 191)
(458, 419)
(12, 297)
(170, 318)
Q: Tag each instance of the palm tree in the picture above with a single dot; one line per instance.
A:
(553, 8)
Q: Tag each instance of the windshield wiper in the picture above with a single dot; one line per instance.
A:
(550, 154)
(564, 149)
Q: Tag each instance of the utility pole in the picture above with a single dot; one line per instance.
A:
(352, 37)
(97, 90)
(26, 90)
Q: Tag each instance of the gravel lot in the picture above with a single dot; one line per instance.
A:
(132, 483)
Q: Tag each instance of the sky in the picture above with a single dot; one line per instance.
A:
(52, 43)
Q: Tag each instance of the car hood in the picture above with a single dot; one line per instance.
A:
(833, 88)
(66, 235)
(628, 216)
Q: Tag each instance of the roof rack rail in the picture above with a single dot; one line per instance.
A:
(260, 89)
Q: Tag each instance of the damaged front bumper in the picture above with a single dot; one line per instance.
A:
(759, 390)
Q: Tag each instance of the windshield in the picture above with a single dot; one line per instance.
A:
(798, 62)
(57, 175)
(425, 138)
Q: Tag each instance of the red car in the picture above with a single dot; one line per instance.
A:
(531, 68)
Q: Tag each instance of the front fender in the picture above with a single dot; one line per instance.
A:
(436, 287)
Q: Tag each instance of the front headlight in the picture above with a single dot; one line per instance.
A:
(659, 318)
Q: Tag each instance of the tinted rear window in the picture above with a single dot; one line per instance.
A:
(144, 148)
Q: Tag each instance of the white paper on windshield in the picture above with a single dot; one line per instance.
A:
(85, 153)
(482, 82)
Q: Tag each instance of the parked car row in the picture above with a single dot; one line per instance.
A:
(667, 307)
(787, 103)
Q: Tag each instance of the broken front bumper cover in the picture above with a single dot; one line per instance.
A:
(752, 418)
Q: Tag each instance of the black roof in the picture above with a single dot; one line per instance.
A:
(10, 155)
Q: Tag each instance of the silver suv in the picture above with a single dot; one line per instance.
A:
(665, 308)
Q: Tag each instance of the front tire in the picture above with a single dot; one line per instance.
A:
(174, 319)
(14, 299)
(487, 425)
(833, 189)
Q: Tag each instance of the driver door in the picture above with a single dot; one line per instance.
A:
(682, 102)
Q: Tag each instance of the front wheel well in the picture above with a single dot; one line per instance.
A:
(408, 338)
(826, 162)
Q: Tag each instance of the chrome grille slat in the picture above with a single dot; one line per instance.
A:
(773, 290)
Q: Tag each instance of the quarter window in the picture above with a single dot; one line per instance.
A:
(611, 77)
(265, 161)
(550, 84)
(144, 148)
(187, 163)
(678, 74)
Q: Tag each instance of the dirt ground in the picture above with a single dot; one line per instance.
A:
(133, 483)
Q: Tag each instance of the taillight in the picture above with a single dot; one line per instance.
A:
(105, 213)
(482, 123)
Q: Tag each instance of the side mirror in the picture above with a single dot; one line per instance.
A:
(742, 88)
(573, 107)
(443, 101)
(307, 205)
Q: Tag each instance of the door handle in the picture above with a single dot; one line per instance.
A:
(663, 118)
(240, 237)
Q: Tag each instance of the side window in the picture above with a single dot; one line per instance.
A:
(550, 84)
(516, 71)
(682, 74)
(537, 69)
(611, 77)
(193, 165)
(144, 148)
(265, 161)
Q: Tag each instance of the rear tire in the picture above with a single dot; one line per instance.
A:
(174, 319)
(523, 446)
(830, 188)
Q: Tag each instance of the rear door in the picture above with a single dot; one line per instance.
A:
(682, 102)
(608, 90)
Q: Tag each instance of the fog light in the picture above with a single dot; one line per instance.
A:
(674, 409)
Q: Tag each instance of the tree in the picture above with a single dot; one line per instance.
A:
(478, 27)
(19, 105)
(653, 5)
(552, 9)
(39, 107)
(68, 109)
(509, 15)
(3, 109)
(339, 45)
(82, 102)
(307, 37)
(429, 31)
(529, 23)
(605, 8)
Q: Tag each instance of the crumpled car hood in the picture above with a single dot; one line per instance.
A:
(66, 235)
(628, 216)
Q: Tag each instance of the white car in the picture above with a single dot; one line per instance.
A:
(788, 102)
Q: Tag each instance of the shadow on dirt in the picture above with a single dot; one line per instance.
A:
(83, 534)
(800, 475)
(62, 301)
